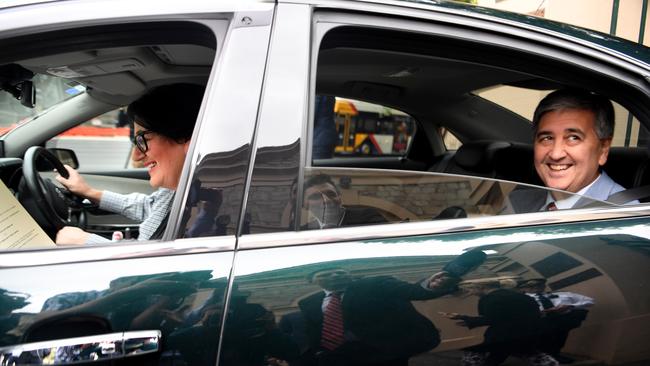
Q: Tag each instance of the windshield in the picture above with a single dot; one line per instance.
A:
(50, 91)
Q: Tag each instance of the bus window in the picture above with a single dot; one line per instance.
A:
(366, 129)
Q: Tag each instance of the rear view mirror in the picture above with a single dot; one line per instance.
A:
(16, 80)
(27, 94)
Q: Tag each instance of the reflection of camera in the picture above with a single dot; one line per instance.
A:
(198, 193)
(210, 194)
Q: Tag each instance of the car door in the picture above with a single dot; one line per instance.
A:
(432, 270)
(156, 302)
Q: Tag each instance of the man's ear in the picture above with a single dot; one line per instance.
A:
(605, 145)
(186, 146)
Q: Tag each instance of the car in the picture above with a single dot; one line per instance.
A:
(423, 110)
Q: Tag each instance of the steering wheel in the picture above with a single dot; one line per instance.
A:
(54, 203)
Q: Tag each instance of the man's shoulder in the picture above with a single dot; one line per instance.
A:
(527, 199)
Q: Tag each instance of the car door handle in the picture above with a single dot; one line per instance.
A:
(68, 351)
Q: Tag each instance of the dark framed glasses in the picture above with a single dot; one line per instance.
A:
(140, 141)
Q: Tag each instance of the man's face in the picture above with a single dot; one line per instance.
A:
(333, 279)
(568, 152)
(324, 204)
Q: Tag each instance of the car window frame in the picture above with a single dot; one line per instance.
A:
(448, 26)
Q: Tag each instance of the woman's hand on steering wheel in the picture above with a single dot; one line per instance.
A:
(76, 184)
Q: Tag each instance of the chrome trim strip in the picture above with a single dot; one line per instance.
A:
(114, 251)
(104, 347)
(384, 231)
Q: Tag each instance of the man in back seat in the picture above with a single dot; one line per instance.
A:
(573, 132)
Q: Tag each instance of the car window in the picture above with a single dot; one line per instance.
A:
(485, 166)
(450, 140)
(101, 143)
(343, 197)
(83, 82)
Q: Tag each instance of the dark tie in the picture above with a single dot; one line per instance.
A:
(332, 334)
(551, 207)
(544, 301)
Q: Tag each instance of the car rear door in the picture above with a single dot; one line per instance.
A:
(395, 308)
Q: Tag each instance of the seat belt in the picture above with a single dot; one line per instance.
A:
(628, 195)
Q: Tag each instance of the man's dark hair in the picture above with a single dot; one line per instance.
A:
(320, 179)
(310, 275)
(573, 98)
(169, 110)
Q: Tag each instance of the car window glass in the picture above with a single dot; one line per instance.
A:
(358, 128)
(50, 91)
(342, 197)
(101, 143)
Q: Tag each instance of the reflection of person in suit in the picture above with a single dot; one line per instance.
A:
(573, 134)
(369, 321)
(514, 325)
(322, 199)
(562, 311)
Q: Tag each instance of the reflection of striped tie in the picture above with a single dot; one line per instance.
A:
(332, 334)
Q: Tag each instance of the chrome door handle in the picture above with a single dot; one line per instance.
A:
(68, 351)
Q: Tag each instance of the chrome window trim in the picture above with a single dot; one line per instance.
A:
(47, 16)
(114, 251)
(395, 230)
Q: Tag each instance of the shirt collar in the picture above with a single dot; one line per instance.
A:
(568, 202)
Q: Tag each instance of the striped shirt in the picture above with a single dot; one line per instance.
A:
(150, 210)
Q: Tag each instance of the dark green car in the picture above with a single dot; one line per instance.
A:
(347, 196)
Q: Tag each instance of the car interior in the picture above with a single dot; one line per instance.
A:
(114, 65)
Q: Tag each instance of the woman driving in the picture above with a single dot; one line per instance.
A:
(163, 124)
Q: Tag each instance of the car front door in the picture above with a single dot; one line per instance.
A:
(156, 302)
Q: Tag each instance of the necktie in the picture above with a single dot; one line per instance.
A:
(544, 301)
(332, 333)
(551, 207)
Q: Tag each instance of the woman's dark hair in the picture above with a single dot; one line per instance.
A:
(169, 110)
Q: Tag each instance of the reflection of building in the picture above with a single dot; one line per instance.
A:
(610, 272)
(614, 272)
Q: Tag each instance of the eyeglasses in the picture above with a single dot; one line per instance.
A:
(141, 142)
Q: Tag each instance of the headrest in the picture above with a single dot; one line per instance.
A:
(477, 155)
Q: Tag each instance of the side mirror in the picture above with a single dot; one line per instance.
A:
(65, 156)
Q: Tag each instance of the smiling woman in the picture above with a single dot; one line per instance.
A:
(162, 137)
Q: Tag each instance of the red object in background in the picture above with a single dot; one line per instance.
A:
(96, 131)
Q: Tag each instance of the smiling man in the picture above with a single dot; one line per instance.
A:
(573, 132)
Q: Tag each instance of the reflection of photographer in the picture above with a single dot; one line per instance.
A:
(208, 201)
